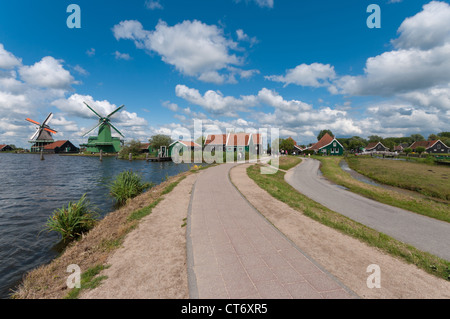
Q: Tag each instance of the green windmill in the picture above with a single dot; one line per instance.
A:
(103, 141)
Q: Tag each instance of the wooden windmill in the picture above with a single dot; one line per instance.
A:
(43, 134)
(104, 141)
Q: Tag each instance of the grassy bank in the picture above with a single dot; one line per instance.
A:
(91, 252)
(276, 186)
(416, 203)
(429, 180)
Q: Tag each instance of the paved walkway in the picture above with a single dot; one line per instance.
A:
(423, 232)
(234, 252)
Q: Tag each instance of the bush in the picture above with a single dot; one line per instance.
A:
(74, 220)
(127, 185)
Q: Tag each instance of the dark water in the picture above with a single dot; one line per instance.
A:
(31, 189)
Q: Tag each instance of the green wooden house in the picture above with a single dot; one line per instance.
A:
(328, 145)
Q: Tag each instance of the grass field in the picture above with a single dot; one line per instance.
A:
(277, 187)
(417, 203)
(430, 180)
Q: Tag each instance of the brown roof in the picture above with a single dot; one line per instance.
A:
(189, 143)
(145, 146)
(2, 146)
(425, 144)
(325, 140)
(238, 139)
(257, 138)
(373, 144)
(216, 139)
(54, 145)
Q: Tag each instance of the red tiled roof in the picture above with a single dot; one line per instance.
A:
(145, 145)
(189, 143)
(257, 138)
(238, 139)
(371, 145)
(54, 145)
(2, 146)
(216, 139)
(425, 144)
(325, 140)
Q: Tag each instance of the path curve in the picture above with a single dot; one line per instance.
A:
(422, 232)
(234, 252)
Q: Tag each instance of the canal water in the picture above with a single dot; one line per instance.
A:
(31, 189)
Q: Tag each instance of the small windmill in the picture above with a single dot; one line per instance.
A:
(43, 134)
(104, 141)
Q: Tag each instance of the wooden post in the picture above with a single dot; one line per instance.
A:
(101, 155)
(130, 157)
(42, 154)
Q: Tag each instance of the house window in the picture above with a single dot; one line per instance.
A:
(334, 144)
(240, 148)
(438, 146)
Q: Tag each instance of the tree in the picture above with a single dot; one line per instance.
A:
(417, 137)
(375, 138)
(133, 147)
(420, 150)
(287, 145)
(156, 141)
(407, 151)
(323, 132)
(433, 137)
(201, 141)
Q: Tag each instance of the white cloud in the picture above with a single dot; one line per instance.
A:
(7, 59)
(419, 62)
(242, 36)
(275, 100)
(215, 102)
(260, 3)
(192, 47)
(122, 56)
(427, 29)
(153, 4)
(47, 73)
(315, 75)
(90, 52)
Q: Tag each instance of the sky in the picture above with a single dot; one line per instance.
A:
(246, 65)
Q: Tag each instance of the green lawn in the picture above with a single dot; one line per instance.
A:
(277, 187)
(428, 206)
(430, 180)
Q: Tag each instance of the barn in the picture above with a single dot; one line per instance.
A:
(376, 147)
(57, 147)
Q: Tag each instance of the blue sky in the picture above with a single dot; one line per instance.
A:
(300, 66)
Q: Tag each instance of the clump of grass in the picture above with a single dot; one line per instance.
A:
(74, 220)
(89, 280)
(127, 185)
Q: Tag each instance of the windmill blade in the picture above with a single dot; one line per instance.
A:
(116, 130)
(100, 123)
(35, 134)
(92, 110)
(120, 107)
(49, 117)
(34, 122)
(50, 130)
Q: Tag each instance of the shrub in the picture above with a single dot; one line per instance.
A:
(127, 185)
(74, 220)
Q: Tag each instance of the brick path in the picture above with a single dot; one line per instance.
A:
(234, 252)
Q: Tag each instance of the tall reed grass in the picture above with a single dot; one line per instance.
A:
(74, 220)
(127, 185)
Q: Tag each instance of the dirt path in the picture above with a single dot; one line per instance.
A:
(344, 257)
(151, 264)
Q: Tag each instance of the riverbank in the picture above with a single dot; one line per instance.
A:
(93, 252)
